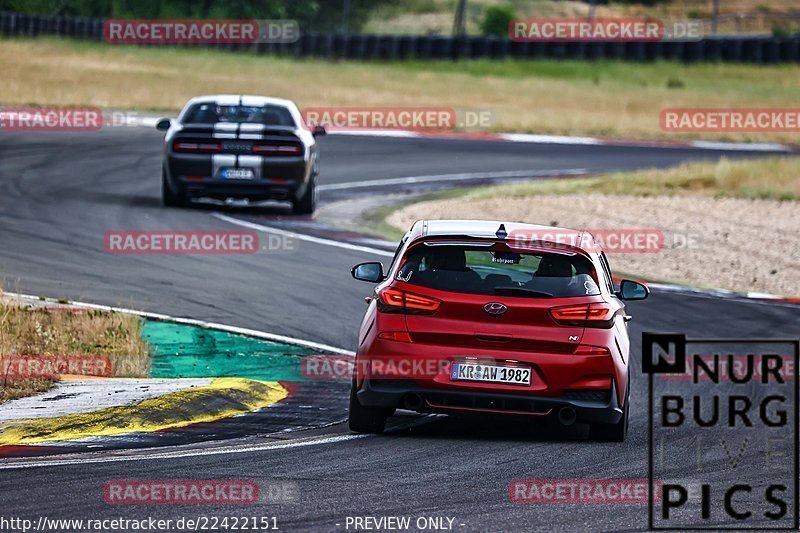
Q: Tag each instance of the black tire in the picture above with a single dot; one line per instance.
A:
(613, 432)
(365, 419)
(169, 198)
(305, 204)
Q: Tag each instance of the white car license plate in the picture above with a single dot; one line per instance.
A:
(514, 375)
(237, 173)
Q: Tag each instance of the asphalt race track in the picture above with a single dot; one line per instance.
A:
(60, 192)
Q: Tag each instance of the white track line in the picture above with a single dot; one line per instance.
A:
(592, 141)
(10, 465)
(454, 177)
(199, 323)
(744, 147)
(531, 138)
(549, 139)
(301, 236)
(761, 298)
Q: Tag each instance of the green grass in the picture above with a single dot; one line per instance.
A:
(712, 79)
(375, 221)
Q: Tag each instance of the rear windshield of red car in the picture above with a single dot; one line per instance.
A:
(480, 270)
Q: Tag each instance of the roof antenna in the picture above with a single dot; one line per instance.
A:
(501, 232)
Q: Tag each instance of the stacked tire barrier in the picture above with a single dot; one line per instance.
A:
(750, 49)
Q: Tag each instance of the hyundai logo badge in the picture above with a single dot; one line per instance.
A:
(495, 308)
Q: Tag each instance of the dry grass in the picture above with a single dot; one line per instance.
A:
(612, 99)
(776, 178)
(733, 243)
(729, 224)
(11, 389)
(43, 332)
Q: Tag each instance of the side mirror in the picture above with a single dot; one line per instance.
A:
(372, 272)
(319, 131)
(632, 290)
(163, 124)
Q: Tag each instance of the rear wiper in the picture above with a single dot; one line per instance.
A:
(510, 291)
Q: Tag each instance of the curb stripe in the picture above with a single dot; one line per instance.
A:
(223, 398)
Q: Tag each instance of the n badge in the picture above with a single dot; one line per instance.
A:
(663, 353)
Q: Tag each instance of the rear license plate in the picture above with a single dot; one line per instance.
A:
(237, 173)
(513, 375)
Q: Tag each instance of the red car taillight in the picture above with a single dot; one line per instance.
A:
(595, 315)
(585, 349)
(397, 301)
(399, 336)
(197, 147)
(277, 149)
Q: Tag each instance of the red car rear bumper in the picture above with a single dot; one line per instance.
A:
(416, 376)
(407, 394)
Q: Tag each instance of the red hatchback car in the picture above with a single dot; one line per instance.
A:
(492, 317)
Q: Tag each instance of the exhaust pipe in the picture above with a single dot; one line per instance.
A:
(412, 402)
(567, 416)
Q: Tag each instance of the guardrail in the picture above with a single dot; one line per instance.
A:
(393, 47)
